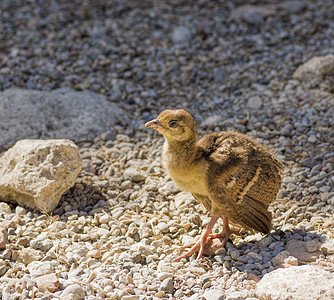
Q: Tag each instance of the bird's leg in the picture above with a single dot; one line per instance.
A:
(225, 235)
(202, 240)
(226, 230)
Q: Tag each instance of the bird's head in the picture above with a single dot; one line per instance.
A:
(175, 125)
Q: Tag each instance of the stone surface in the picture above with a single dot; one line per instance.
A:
(235, 296)
(48, 282)
(253, 14)
(29, 255)
(181, 34)
(35, 173)
(298, 249)
(327, 247)
(213, 121)
(254, 102)
(3, 237)
(298, 283)
(292, 6)
(279, 258)
(167, 285)
(39, 268)
(73, 292)
(58, 114)
(5, 208)
(315, 68)
(134, 174)
(213, 295)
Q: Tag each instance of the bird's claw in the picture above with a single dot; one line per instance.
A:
(209, 238)
(200, 243)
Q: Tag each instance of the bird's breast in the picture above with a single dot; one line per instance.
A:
(191, 178)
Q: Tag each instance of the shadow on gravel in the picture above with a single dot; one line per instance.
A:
(81, 199)
(281, 249)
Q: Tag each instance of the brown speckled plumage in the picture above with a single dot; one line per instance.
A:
(243, 178)
(228, 172)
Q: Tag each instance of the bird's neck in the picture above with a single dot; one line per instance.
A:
(180, 152)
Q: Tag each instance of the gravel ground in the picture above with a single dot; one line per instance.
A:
(115, 232)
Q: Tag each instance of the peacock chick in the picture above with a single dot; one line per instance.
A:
(232, 175)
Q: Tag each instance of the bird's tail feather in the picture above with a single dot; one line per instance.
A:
(256, 215)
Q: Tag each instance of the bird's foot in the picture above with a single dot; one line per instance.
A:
(200, 243)
(203, 240)
(209, 238)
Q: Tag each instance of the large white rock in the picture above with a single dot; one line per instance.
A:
(58, 114)
(297, 283)
(35, 173)
(315, 68)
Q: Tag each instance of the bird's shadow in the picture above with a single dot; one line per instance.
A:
(280, 249)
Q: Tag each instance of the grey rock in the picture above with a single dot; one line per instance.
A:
(115, 94)
(253, 18)
(3, 237)
(214, 120)
(311, 246)
(293, 6)
(255, 256)
(315, 68)
(219, 259)
(243, 258)
(36, 244)
(181, 34)
(167, 285)
(235, 254)
(324, 189)
(163, 227)
(291, 187)
(35, 173)
(73, 292)
(220, 75)
(38, 268)
(277, 250)
(105, 219)
(163, 275)
(235, 296)
(59, 114)
(298, 249)
(330, 201)
(134, 174)
(4, 207)
(254, 102)
(142, 249)
(133, 297)
(253, 14)
(290, 282)
(313, 189)
(279, 258)
(20, 210)
(169, 188)
(265, 242)
(287, 130)
(29, 255)
(325, 196)
(327, 248)
(213, 295)
(288, 179)
(47, 244)
(227, 265)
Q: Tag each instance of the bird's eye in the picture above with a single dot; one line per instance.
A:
(173, 124)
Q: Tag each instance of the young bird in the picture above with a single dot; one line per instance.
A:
(233, 176)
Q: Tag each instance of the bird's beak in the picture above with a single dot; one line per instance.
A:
(155, 124)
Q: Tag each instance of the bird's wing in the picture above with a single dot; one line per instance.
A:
(243, 179)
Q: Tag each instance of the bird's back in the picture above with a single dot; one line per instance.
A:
(243, 178)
